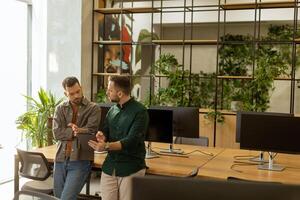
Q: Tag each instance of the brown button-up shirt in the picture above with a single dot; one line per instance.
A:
(88, 118)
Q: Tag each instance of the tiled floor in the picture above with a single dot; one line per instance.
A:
(7, 189)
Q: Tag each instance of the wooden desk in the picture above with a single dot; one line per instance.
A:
(173, 165)
(220, 167)
(164, 165)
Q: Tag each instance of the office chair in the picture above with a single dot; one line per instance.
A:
(25, 195)
(35, 166)
(201, 141)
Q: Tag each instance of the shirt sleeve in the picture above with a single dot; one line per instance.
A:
(59, 126)
(105, 127)
(137, 131)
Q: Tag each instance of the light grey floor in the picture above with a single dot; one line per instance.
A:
(7, 189)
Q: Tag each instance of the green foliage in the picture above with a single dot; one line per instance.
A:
(215, 115)
(101, 96)
(271, 61)
(184, 88)
(34, 122)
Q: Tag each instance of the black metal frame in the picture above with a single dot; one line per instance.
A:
(192, 9)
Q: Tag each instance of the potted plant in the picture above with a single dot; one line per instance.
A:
(36, 123)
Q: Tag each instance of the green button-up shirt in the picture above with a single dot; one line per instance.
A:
(127, 124)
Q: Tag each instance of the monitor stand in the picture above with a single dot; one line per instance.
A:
(271, 166)
(171, 150)
(149, 153)
(259, 159)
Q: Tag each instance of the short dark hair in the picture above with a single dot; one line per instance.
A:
(122, 82)
(70, 81)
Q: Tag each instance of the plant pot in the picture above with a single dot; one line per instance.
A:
(236, 105)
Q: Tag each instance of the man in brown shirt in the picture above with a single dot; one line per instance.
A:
(73, 119)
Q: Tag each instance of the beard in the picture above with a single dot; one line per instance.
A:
(77, 101)
(115, 99)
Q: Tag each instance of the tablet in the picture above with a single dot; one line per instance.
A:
(86, 151)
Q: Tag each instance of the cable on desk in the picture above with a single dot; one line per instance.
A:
(244, 157)
(197, 150)
(239, 163)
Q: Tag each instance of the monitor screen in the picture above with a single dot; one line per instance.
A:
(270, 133)
(185, 121)
(243, 113)
(160, 126)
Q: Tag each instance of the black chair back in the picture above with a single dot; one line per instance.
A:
(34, 165)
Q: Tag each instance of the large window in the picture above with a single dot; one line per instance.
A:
(13, 78)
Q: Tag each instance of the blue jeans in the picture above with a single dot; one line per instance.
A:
(70, 177)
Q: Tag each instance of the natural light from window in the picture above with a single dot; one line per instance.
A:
(13, 66)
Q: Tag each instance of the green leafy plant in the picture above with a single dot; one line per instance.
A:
(212, 115)
(271, 61)
(183, 88)
(36, 123)
(101, 96)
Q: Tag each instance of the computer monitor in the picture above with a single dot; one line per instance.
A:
(160, 125)
(185, 120)
(160, 129)
(240, 114)
(271, 133)
(162, 188)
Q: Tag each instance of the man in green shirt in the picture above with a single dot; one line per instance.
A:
(123, 136)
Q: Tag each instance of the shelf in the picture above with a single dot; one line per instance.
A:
(235, 77)
(263, 5)
(118, 42)
(250, 77)
(112, 42)
(126, 10)
(181, 42)
(119, 74)
(163, 42)
(297, 41)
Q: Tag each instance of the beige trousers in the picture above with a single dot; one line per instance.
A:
(117, 188)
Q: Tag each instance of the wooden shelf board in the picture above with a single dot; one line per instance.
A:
(273, 4)
(297, 40)
(180, 42)
(235, 77)
(108, 42)
(250, 77)
(126, 10)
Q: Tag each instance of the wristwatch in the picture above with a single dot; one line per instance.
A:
(106, 146)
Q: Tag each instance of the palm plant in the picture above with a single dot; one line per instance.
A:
(36, 123)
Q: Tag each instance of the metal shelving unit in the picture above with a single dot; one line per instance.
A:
(220, 8)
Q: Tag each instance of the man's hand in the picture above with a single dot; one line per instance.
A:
(98, 146)
(76, 130)
(100, 136)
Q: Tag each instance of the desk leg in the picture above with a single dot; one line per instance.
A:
(16, 174)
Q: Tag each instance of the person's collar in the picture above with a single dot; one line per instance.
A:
(126, 103)
(84, 102)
